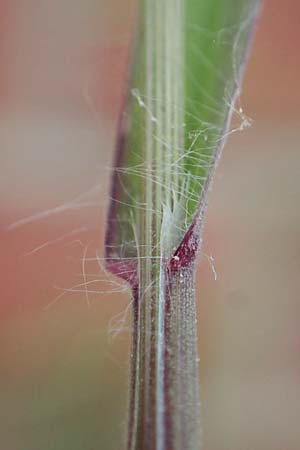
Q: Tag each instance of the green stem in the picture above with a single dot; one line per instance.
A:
(164, 385)
(165, 413)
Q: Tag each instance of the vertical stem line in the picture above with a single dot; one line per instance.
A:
(158, 213)
(147, 232)
(168, 101)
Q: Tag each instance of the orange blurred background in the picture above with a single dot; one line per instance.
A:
(63, 361)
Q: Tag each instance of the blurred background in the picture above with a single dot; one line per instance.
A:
(64, 340)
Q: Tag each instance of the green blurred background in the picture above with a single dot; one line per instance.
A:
(63, 361)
